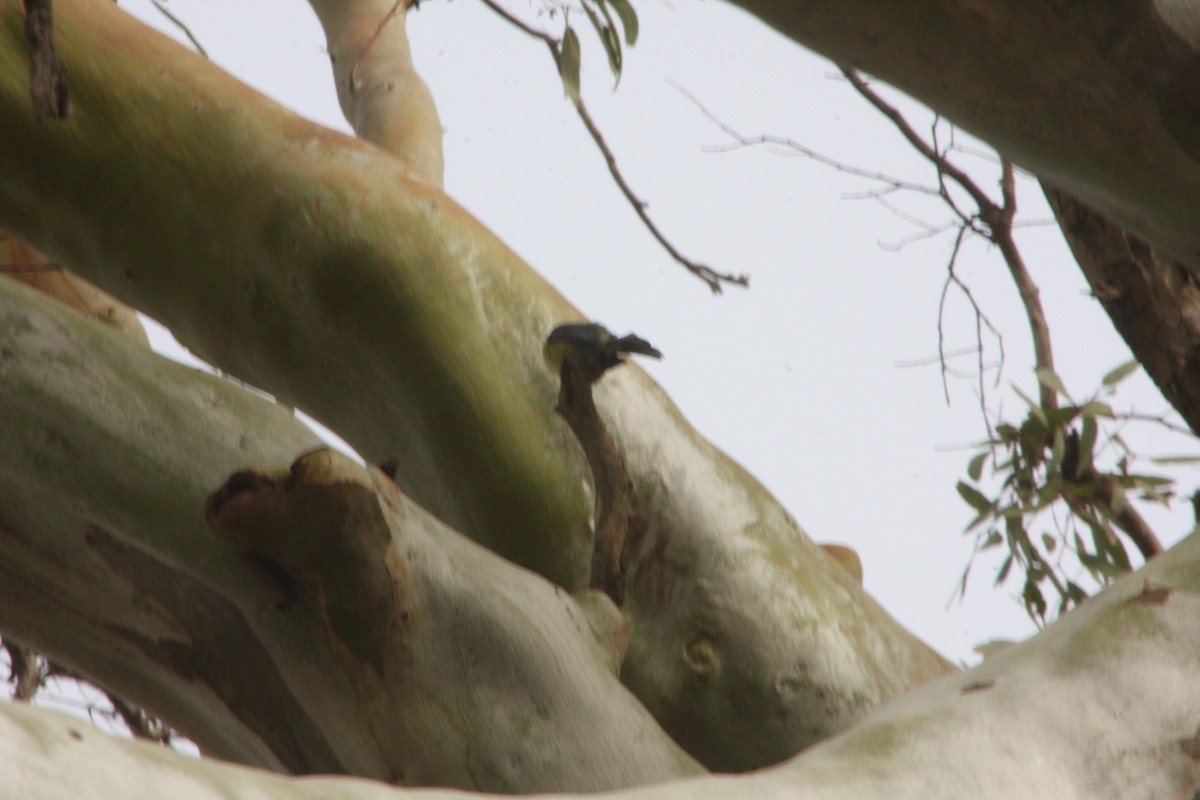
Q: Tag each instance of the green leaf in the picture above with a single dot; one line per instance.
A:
(1004, 568)
(1120, 373)
(974, 498)
(1147, 481)
(1059, 417)
(1035, 603)
(608, 37)
(1175, 460)
(1076, 593)
(568, 64)
(1058, 449)
(1049, 378)
(993, 539)
(629, 20)
(1087, 444)
(980, 518)
(1035, 409)
(975, 466)
(1101, 566)
(1049, 542)
(1096, 409)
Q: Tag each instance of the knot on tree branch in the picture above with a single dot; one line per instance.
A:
(581, 353)
(316, 533)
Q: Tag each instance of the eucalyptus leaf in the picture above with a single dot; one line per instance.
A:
(1087, 444)
(975, 466)
(568, 65)
(629, 20)
(974, 498)
(1049, 378)
(1120, 373)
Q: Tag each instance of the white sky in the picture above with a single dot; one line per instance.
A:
(799, 377)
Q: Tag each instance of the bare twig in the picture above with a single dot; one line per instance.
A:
(997, 220)
(181, 25)
(981, 320)
(790, 146)
(711, 277)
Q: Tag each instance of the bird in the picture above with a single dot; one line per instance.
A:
(592, 348)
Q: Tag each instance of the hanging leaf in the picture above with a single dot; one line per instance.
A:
(1096, 409)
(1035, 409)
(568, 65)
(974, 498)
(608, 37)
(1004, 568)
(1175, 460)
(1087, 444)
(1101, 566)
(629, 20)
(1120, 373)
(1049, 378)
(975, 466)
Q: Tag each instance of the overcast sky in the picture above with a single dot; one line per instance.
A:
(807, 378)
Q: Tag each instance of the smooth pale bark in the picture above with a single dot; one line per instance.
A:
(1104, 704)
(381, 94)
(328, 625)
(23, 263)
(318, 268)
(1097, 98)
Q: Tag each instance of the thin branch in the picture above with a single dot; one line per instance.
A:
(999, 222)
(794, 148)
(181, 25)
(919, 144)
(981, 320)
(711, 277)
(353, 76)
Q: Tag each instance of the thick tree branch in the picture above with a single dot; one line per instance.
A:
(380, 92)
(312, 265)
(1153, 301)
(402, 651)
(1066, 715)
(1097, 98)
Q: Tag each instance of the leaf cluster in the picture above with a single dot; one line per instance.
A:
(1048, 462)
(600, 14)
